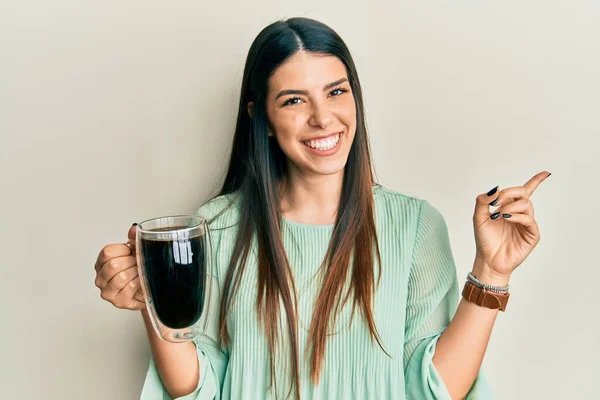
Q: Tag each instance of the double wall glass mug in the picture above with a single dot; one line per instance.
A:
(175, 266)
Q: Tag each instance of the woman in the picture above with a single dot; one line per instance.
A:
(331, 286)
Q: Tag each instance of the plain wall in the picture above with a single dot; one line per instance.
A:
(115, 112)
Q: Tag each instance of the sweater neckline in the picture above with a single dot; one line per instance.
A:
(299, 225)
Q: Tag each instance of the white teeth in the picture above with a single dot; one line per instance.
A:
(325, 144)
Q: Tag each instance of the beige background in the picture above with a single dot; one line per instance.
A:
(117, 111)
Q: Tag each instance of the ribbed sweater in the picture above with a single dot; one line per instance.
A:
(414, 302)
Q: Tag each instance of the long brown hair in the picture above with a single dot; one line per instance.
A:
(256, 167)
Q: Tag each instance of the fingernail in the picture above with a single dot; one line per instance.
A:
(493, 203)
(506, 215)
(491, 192)
(495, 215)
(549, 173)
(134, 224)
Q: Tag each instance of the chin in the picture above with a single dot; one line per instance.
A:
(331, 168)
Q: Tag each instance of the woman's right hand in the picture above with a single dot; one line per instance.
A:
(117, 275)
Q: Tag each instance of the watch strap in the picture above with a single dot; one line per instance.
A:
(485, 298)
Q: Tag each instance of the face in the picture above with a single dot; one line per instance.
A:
(312, 114)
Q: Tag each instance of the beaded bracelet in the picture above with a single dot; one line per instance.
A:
(480, 284)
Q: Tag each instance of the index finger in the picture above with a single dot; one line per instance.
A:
(534, 182)
(111, 251)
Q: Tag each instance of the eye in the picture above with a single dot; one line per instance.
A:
(292, 101)
(338, 91)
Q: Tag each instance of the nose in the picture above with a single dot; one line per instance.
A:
(321, 116)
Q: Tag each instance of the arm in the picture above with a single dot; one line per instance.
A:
(460, 349)
(177, 363)
(502, 245)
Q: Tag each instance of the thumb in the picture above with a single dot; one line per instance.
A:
(131, 235)
(131, 232)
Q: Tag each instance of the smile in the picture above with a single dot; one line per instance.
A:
(324, 144)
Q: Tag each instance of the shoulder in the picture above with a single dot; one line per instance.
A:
(412, 211)
(385, 194)
(390, 202)
(221, 211)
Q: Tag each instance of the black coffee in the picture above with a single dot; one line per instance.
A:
(176, 275)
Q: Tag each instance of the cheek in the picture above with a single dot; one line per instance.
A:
(298, 121)
(347, 113)
(290, 126)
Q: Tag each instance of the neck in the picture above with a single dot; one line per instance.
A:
(311, 199)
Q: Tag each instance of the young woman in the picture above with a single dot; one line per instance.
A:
(331, 286)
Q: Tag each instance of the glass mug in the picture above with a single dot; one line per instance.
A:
(175, 266)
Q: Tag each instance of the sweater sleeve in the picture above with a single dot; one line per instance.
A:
(432, 301)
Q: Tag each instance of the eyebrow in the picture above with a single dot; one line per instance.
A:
(305, 92)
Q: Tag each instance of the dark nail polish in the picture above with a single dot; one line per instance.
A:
(506, 215)
(493, 203)
(495, 215)
(491, 192)
(134, 224)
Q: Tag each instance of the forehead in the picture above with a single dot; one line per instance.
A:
(306, 70)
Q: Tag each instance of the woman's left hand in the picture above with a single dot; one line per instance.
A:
(505, 241)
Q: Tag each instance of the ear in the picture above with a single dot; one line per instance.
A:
(250, 106)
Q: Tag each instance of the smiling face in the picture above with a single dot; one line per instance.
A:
(312, 113)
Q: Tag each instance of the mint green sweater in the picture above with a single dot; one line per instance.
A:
(416, 299)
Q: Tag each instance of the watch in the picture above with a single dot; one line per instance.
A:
(485, 298)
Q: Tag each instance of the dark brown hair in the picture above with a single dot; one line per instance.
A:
(257, 165)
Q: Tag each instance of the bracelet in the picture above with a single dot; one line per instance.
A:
(480, 284)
